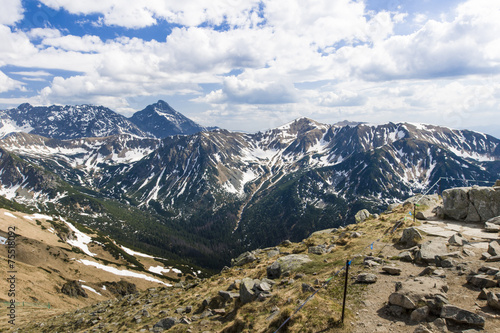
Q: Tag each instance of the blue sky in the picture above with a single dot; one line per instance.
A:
(252, 65)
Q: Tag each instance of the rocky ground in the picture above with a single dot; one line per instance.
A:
(405, 276)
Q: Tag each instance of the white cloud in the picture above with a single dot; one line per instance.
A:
(144, 13)
(8, 84)
(248, 91)
(11, 11)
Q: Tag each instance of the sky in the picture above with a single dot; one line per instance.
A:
(252, 65)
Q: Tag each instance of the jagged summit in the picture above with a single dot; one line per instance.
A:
(158, 120)
(161, 120)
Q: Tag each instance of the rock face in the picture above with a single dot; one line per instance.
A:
(73, 289)
(471, 204)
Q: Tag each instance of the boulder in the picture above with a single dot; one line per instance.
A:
(481, 281)
(490, 227)
(362, 215)
(73, 289)
(472, 204)
(405, 256)
(418, 290)
(247, 294)
(494, 248)
(286, 264)
(243, 259)
(410, 237)
(420, 216)
(166, 323)
(319, 249)
(419, 315)
(366, 278)
(493, 299)
(430, 249)
(457, 239)
(462, 316)
(391, 270)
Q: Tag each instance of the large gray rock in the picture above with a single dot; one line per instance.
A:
(462, 316)
(166, 323)
(410, 237)
(243, 259)
(421, 290)
(366, 278)
(482, 281)
(472, 204)
(362, 215)
(247, 294)
(286, 264)
(430, 249)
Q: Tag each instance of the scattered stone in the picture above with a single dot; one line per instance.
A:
(392, 206)
(422, 329)
(462, 316)
(244, 258)
(457, 239)
(405, 256)
(391, 270)
(227, 295)
(306, 288)
(366, 278)
(355, 235)
(362, 215)
(411, 237)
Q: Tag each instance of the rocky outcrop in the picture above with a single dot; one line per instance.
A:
(243, 259)
(73, 289)
(362, 215)
(121, 288)
(286, 265)
(471, 204)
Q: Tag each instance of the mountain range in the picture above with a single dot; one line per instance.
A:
(209, 194)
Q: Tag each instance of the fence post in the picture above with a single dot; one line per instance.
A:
(345, 288)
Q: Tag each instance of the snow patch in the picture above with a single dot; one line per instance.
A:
(120, 272)
(81, 240)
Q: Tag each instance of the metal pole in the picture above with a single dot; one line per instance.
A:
(414, 212)
(345, 288)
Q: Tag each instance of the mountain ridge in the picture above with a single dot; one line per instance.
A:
(228, 191)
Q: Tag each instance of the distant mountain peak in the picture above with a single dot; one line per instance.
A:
(161, 120)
